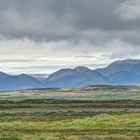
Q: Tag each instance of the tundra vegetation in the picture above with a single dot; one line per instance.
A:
(91, 113)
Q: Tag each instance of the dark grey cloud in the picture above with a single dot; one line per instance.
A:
(42, 36)
(51, 20)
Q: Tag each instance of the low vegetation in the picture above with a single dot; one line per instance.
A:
(70, 118)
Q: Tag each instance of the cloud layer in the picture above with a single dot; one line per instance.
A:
(129, 10)
(51, 34)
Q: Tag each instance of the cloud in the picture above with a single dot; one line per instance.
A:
(26, 56)
(129, 10)
(30, 19)
(51, 34)
(50, 20)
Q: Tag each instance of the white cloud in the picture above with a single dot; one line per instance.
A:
(129, 10)
(26, 56)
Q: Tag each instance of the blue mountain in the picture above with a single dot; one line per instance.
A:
(123, 72)
(23, 81)
(78, 77)
(126, 72)
(121, 65)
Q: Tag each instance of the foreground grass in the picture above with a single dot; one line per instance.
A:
(91, 113)
(70, 120)
(98, 127)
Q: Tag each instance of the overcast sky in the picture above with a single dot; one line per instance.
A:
(42, 36)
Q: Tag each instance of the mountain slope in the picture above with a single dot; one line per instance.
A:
(123, 72)
(78, 77)
(8, 82)
(124, 78)
(121, 65)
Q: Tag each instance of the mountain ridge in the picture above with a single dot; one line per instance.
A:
(18, 82)
(121, 72)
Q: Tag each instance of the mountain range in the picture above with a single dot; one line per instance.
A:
(122, 72)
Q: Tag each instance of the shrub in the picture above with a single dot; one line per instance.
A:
(9, 138)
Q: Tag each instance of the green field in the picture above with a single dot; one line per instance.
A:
(92, 113)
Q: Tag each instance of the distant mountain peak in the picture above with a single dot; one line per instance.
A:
(122, 72)
(22, 75)
(18, 82)
(130, 61)
(2, 73)
(82, 69)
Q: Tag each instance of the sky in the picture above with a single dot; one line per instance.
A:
(42, 36)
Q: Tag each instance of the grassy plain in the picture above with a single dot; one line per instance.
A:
(92, 113)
